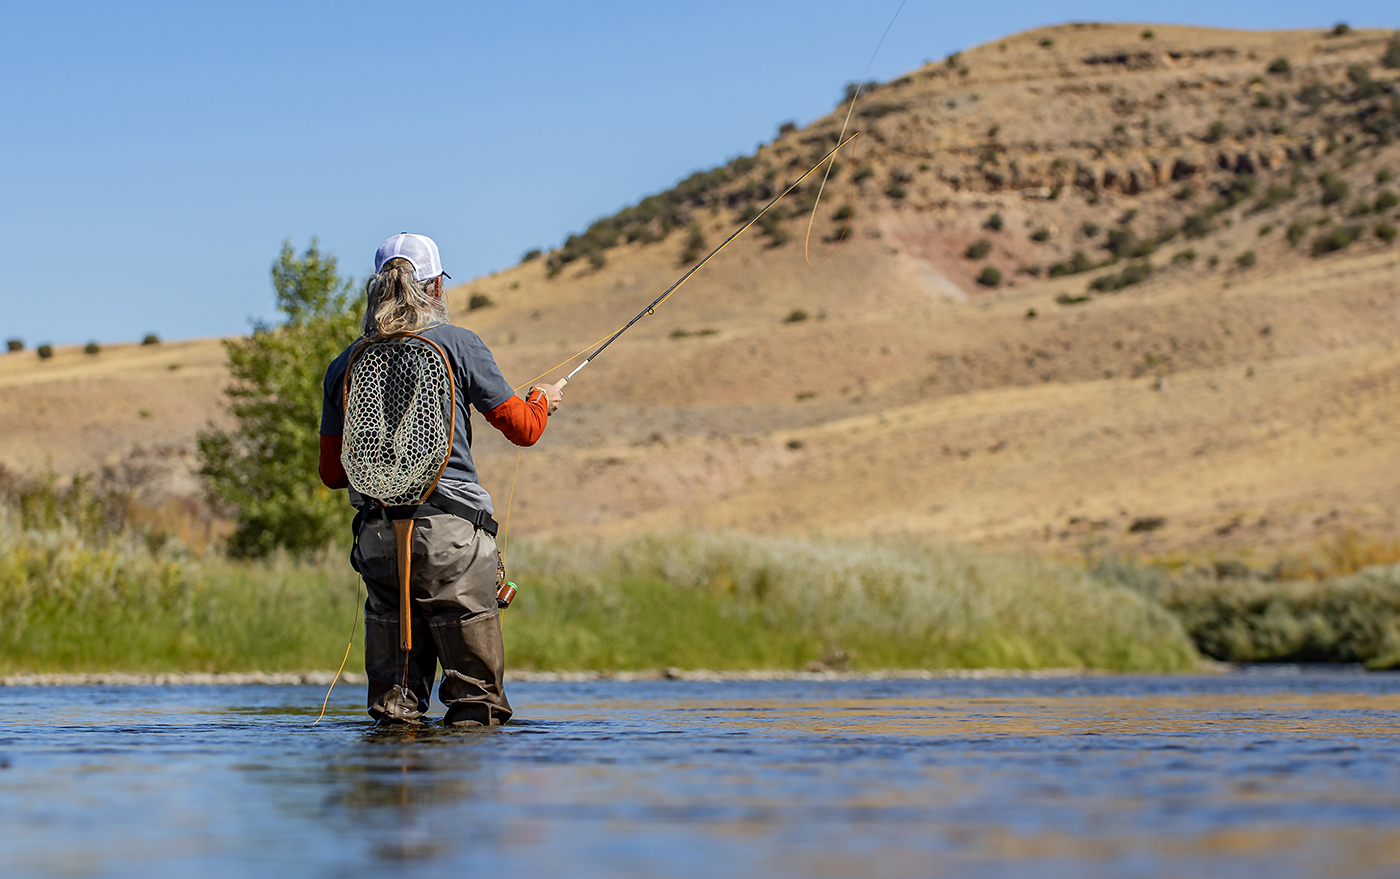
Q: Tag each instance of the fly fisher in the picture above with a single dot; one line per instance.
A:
(396, 431)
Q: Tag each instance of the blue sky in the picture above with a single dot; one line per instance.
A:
(155, 155)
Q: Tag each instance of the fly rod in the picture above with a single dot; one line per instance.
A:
(651, 309)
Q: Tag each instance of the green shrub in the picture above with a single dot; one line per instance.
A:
(1046, 42)
(664, 211)
(990, 277)
(845, 212)
(44, 351)
(694, 246)
(1385, 232)
(771, 226)
(532, 253)
(1385, 201)
(1297, 230)
(1216, 132)
(786, 127)
(797, 315)
(748, 211)
(896, 190)
(1313, 96)
(978, 249)
(1071, 299)
(597, 259)
(1341, 29)
(1184, 257)
(1265, 229)
(859, 88)
(1077, 263)
(1384, 175)
(1383, 125)
(863, 172)
(879, 110)
(1391, 58)
(150, 339)
(995, 222)
(1365, 86)
(1339, 238)
(1280, 66)
(1197, 225)
(1041, 234)
(263, 468)
(1354, 618)
(1240, 187)
(92, 348)
(13, 345)
(1089, 229)
(1276, 194)
(1124, 244)
(1133, 274)
(1246, 260)
(479, 300)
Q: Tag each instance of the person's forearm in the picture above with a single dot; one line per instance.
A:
(522, 422)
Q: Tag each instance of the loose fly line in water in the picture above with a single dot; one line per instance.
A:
(597, 347)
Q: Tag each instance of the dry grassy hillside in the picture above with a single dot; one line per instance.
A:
(1109, 284)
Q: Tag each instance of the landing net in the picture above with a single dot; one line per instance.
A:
(398, 420)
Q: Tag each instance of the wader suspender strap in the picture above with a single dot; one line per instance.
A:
(439, 503)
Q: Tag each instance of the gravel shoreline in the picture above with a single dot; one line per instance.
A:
(324, 678)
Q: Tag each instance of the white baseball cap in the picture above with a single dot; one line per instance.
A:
(420, 250)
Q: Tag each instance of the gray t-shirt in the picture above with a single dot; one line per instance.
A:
(479, 383)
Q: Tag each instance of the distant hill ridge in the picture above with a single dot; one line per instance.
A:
(1195, 121)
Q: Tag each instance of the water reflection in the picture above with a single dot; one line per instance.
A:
(1237, 775)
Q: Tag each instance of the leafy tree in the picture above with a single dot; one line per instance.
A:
(264, 469)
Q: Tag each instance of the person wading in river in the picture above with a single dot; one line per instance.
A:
(454, 616)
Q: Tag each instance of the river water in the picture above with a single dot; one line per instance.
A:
(1247, 774)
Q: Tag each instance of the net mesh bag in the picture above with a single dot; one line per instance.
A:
(398, 420)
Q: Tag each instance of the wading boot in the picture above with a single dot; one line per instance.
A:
(473, 664)
(389, 701)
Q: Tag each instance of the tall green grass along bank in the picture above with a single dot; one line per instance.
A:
(69, 604)
(75, 604)
(721, 601)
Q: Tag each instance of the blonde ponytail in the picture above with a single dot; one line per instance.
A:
(396, 303)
